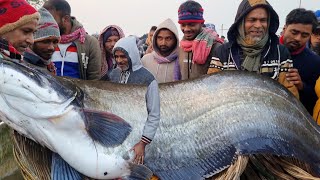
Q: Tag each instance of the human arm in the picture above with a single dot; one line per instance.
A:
(94, 61)
(152, 123)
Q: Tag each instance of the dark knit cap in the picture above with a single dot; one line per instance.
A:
(190, 12)
(110, 32)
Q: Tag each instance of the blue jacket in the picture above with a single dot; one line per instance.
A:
(308, 65)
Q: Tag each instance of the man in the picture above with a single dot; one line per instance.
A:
(300, 24)
(18, 21)
(254, 46)
(107, 39)
(46, 38)
(314, 43)
(145, 45)
(224, 39)
(130, 71)
(197, 44)
(163, 61)
(78, 54)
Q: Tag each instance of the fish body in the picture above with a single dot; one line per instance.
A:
(205, 123)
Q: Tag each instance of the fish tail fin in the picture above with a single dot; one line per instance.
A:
(138, 172)
(61, 170)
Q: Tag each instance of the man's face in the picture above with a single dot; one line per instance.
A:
(45, 48)
(166, 42)
(109, 44)
(190, 30)
(22, 37)
(256, 25)
(122, 60)
(59, 19)
(315, 38)
(151, 33)
(296, 36)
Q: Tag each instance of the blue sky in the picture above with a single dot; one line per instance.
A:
(136, 17)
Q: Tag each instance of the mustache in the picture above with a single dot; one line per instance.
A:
(163, 47)
(295, 42)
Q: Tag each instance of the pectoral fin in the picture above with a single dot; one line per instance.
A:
(106, 128)
(61, 170)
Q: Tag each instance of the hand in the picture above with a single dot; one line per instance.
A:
(294, 77)
(149, 49)
(139, 149)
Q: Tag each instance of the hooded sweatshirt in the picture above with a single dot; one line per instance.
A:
(104, 64)
(166, 70)
(273, 55)
(136, 74)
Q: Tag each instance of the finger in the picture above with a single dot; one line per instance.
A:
(294, 78)
(136, 157)
(292, 74)
(137, 160)
(142, 159)
(296, 82)
(293, 70)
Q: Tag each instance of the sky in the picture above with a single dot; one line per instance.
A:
(136, 17)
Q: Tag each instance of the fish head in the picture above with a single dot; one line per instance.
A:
(28, 95)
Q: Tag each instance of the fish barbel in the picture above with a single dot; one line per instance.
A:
(205, 123)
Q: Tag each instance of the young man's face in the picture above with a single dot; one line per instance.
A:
(45, 48)
(296, 36)
(315, 38)
(166, 42)
(109, 44)
(122, 60)
(151, 33)
(190, 30)
(22, 37)
(256, 25)
(60, 19)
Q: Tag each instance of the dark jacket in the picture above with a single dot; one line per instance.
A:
(88, 55)
(231, 56)
(308, 65)
(189, 69)
(37, 62)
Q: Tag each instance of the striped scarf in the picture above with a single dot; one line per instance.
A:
(8, 50)
(77, 34)
(172, 57)
(200, 46)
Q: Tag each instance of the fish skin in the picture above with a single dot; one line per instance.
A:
(236, 102)
(247, 114)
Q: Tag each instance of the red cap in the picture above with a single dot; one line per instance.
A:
(15, 13)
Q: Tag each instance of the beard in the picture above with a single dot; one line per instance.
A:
(251, 40)
(62, 30)
(165, 50)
